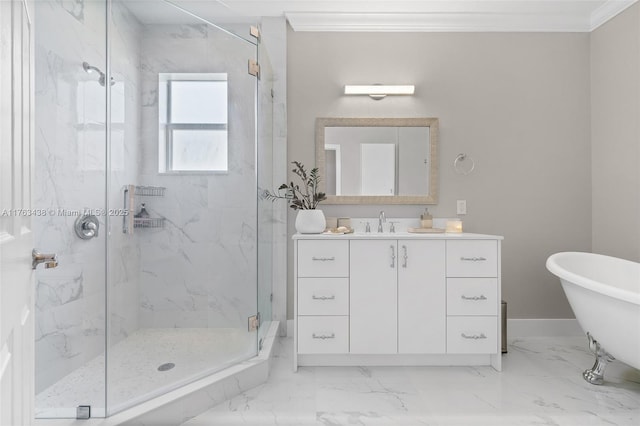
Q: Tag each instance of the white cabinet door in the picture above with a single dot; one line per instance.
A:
(373, 297)
(421, 297)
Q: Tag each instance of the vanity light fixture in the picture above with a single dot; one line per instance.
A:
(378, 91)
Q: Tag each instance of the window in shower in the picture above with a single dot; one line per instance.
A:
(193, 122)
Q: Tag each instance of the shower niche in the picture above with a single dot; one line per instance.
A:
(138, 217)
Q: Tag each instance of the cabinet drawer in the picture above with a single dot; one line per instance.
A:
(472, 335)
(323, 335)
(323, 258)
(472, 258)
(472, 296)
(323, 296)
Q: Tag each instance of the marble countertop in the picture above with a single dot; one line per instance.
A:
(397, 235)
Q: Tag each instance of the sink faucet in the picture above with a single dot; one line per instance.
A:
(381, 219)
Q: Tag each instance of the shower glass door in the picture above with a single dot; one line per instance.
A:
(266, 216)
(183, 233)
(69, 182)
(146, 118)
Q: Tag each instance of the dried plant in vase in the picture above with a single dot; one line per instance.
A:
(304, 198)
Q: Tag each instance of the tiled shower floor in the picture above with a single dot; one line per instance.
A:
(541, 384)
(133, 368)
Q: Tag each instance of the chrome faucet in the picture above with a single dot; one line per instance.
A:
(381, 219)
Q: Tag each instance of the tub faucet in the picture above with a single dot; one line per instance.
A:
(381, 219)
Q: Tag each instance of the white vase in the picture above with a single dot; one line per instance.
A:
(310, 222)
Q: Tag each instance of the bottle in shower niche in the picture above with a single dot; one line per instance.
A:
(143, 213)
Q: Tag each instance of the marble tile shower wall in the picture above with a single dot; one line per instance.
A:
(124, 249)
(70, 175)
(200, 270)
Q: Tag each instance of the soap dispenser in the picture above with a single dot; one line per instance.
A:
(143, 213)
(426, 220)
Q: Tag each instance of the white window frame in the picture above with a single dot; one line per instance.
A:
(167, 127)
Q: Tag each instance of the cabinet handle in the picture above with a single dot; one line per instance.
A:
(324, 336)
(324, 259)
(474, 336)
(332, 297)
(405, 257)
(481, 297)
(473, 259)
(393, 256)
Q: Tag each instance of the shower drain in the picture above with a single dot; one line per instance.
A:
(166, 366)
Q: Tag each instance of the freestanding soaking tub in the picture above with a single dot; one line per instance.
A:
(604, 293)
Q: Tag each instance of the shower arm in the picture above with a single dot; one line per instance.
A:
(90, 68)
(103, 78)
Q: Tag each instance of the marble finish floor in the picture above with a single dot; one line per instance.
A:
(133, 368)
(541, 384)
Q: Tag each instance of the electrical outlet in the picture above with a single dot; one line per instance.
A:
(461, 207)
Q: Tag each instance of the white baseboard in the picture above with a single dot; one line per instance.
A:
(525, 328)
(543, 328)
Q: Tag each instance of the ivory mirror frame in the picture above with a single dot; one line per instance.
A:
(431, 122)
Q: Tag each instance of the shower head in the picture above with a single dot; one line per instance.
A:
(103, 78)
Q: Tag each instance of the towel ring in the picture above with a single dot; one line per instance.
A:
(464, 164)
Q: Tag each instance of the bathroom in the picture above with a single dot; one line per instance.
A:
(548, 116)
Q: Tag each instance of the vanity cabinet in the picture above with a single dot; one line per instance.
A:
(403, 282)
(472, 296)
(322, 297)
(412, 300)
(373, 280)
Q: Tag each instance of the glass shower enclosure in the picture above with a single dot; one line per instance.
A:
(152, 141)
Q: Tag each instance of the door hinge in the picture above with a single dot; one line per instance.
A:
(271, 297)
(254, 68)
(255, 32)
(254, 322)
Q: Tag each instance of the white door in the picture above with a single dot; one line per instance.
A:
(373, 302)
(378, 169)
(16, 286)
(422, 317)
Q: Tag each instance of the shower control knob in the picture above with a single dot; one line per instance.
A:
(86, 226)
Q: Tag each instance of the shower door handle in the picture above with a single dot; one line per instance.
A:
(50, 260)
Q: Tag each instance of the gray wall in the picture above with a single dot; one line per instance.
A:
(517, 103)
(615, 109)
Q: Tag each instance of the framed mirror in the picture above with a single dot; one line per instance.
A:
(378, 160)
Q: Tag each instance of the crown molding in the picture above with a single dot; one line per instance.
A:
(607, 11)
(436, 22)
(419, 15)
(531, 16)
